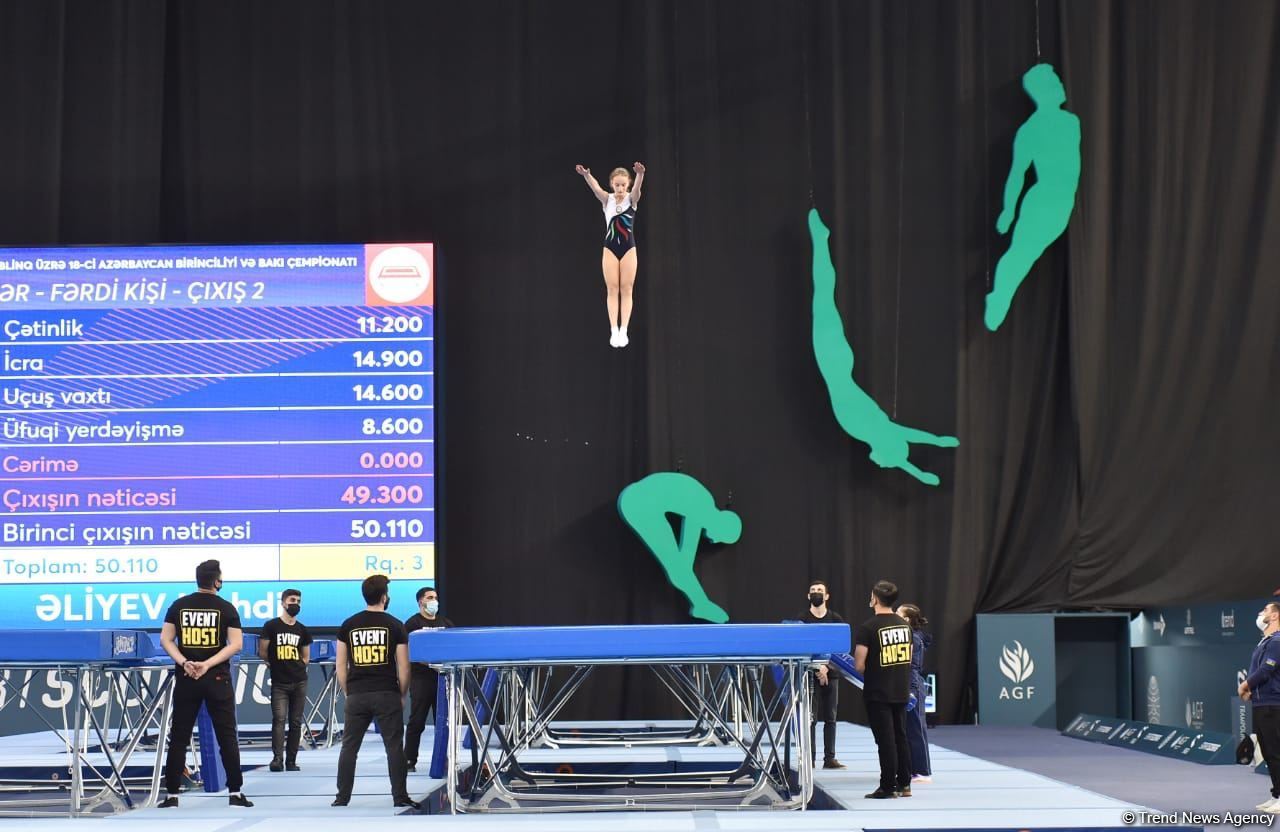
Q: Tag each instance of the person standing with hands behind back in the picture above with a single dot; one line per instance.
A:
(1262, 688)
(201, 633)
(825, 681)
(285, 644)
(423, 680)
(882, 654)
(373, 672)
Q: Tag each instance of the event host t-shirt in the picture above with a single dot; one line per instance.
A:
(418, 621)
(284, 650)
(371, 639)
(887, 677)
(201, 621)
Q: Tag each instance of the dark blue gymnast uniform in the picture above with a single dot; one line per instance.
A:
(917, 730)
(620, 220)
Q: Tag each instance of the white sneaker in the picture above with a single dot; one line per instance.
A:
(921, 778)
(623, 340)
(613, 338)
(1272, 805)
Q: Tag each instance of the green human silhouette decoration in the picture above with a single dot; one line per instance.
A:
(857, 412)
(644, 506)
(1049, 140)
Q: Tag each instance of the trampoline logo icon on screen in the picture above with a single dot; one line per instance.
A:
(399, 275)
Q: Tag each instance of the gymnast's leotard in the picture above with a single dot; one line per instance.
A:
(619, 223)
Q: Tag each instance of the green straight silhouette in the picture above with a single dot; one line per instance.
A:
(1049, 140)
(856, 412)
(644, 506)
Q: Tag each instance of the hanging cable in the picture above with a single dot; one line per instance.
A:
(1037, 31)
(902, 154)
(808, 113)
(986, 155)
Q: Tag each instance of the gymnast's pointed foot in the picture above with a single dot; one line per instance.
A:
(997, 309)
(817, 229)
(709, 611)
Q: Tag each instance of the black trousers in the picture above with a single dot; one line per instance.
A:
(1266, 724)
(825, 700)
(422, 700)
(387, 709)
(888, 723)
(288, 703)
(215, 692)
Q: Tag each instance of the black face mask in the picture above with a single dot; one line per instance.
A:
(386, 602)
(815, 599)
(293, 610)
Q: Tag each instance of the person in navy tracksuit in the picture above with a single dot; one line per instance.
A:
(1262, 688)
(917, 733)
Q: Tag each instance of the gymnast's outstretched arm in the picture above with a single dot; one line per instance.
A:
(924, 476)
(1017, 177)
(585, 173)
(638, 167)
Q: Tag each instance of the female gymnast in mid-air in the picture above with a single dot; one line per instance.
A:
(619, 257)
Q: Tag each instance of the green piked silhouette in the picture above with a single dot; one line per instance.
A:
(644, 505)
(856, 412)
(1049, 140)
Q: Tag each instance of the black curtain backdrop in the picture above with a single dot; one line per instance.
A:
(1117, 434)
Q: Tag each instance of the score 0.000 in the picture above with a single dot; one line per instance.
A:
(395, 460)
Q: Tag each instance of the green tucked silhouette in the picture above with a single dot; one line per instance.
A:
(1049, 140)
(857, 413)
(644, 505)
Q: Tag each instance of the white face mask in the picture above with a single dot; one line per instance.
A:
(1262, 621)
(432, 607)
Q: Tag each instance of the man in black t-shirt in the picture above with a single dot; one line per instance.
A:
(423, 680)
(825, 681)
(285, 644)
(201, 633)
(373, 672)
(882, 654)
